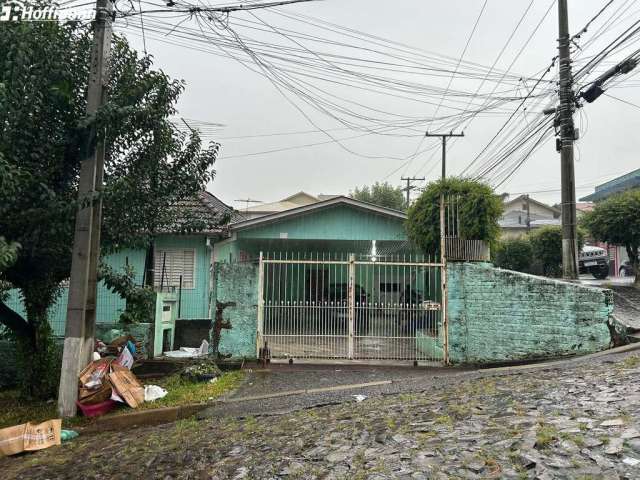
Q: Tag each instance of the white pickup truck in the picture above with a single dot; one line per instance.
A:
(594, 260)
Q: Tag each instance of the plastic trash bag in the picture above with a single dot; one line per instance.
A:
(153, 392)
(66, 435)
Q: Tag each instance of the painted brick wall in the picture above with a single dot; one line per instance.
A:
(499, 315)
(238, 282)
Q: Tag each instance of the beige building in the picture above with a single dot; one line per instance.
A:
(296, 200)
(523, 214)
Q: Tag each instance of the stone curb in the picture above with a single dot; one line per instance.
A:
(171, 414)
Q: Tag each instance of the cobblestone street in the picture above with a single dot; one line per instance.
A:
(580, 421)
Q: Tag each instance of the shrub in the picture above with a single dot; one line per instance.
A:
(546, 243)
(514, 254)
(478, 212)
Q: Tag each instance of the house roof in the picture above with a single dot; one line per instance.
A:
(620, 184)
(523, 198)
(292, 201)
(207, 211)
(584, 206)
(305, 209)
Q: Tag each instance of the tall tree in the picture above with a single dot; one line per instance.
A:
(616, 220)
(149, 166)
(478, 210)
(382, 194)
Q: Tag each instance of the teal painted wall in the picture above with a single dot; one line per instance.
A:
(109, 305)
(238, 282)
(195, 302)
(498, 315)
(341, 222)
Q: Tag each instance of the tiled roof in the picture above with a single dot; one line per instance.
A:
(208, 212)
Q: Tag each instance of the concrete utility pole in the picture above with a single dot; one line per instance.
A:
(567, 136)
(80, 327)
(528, 214)
(444, 137)
(443, 253)
(409, 186)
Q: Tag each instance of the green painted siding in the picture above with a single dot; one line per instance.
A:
(238, 282)
(498, 315)
(194, 301)
(340, 222)
(109, 305)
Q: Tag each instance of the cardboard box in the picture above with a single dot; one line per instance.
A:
(126, 385)
(96, 370)
(30, 436)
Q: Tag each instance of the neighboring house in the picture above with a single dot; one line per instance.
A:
(523, 214)
(629, 181)
(293, 201)
(296, 200)
(582, 208)
(175, 255)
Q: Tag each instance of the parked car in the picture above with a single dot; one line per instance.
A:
(594, 260)
(416, 314)
(626, 270)
(339, 293)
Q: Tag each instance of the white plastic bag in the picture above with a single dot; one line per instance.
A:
(153, 392)
(125, 359)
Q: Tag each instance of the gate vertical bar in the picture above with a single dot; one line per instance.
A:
(351, 303)
(260, 335)
(443, 282)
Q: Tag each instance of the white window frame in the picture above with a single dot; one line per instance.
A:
(158, 252)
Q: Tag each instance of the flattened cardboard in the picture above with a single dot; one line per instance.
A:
(126, 385)
(30, 436)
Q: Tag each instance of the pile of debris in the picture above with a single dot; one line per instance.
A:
(116, 346)
(108, 380)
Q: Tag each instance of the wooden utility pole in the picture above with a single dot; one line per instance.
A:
(444, 137)
(567, 136)
(409, 186)
(80, 326)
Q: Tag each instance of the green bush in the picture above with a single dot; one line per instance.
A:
(546, 243)
(478, 210)
(514, 254)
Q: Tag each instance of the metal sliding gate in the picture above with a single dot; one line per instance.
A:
(343, 306)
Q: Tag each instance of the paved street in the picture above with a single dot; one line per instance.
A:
(575, 421)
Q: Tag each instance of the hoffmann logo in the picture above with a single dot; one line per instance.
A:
(16, 11)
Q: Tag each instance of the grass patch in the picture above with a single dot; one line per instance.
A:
(15, 410)
(631, 362)
(186, 392)
(546, 435)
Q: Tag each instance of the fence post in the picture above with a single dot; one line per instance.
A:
(259, 334)
(351, 303)
(443, 282)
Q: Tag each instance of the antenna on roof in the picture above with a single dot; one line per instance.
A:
(247, 201)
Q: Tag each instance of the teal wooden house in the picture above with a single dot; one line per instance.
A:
(336, 225)
(184, 264)
(336, 278)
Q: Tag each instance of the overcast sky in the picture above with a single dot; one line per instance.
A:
(220, 90)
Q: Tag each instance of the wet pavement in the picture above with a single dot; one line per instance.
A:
(578, 419)
(626, 298)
